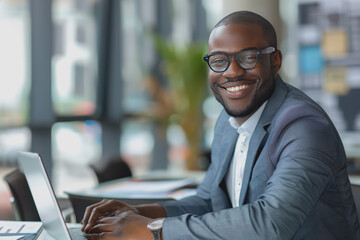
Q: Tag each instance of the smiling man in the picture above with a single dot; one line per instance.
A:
(278, 167)
(242, 87)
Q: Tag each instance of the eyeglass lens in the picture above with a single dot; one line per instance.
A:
(221, 61)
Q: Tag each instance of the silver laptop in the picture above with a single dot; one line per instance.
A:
(44, 198)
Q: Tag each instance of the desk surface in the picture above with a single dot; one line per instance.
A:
(14, 230)
(156, 185)
(129, 190)
(354, 179)
(110, 189)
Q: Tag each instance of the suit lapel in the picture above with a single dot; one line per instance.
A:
(220, 199)
(255, 144)
(229, 140)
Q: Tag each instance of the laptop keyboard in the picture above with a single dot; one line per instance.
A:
(76, 234)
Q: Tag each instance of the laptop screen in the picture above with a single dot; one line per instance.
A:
(43, 194)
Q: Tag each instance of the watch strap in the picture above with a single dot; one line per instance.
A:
(156, 234)
(156, 230)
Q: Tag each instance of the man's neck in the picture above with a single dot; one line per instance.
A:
(241, 120)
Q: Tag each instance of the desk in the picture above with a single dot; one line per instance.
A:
(354, 179)
(116, 189)
(355, 187)
(120, 190)
(45, 236)
(17, 229)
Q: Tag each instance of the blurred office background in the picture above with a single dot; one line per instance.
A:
(82, 81)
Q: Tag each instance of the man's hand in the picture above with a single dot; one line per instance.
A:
(101, 210)
(125, 225)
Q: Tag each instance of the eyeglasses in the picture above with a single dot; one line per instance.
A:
(246, 59)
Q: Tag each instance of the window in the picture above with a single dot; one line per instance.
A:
(75, 58)
(14, 74)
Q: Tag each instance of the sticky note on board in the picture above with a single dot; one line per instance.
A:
(335, 43)
(311, 60)
(335, 80)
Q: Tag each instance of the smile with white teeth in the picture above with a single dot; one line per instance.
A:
(237, 88)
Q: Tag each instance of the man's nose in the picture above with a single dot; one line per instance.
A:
(234, 69)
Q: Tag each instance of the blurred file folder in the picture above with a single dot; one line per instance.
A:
(335, 80)
(335, 43)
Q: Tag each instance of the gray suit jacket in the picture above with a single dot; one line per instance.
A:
(295, 182)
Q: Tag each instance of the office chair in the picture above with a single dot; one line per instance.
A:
(113, 168)
(22, 201)
(80, 203)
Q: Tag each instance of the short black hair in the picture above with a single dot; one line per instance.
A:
(248, 17)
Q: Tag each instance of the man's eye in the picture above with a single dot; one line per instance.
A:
(248, 58)
(218, 61)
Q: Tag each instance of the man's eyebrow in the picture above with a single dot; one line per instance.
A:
(249, 48)
(213, 53)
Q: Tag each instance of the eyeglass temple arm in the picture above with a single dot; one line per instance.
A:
(268, 50)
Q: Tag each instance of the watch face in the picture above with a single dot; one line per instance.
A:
(156, 224)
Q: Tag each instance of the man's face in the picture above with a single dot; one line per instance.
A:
(242, 92)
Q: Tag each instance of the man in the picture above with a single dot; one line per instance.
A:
(278, 166)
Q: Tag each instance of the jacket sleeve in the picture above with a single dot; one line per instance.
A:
(304, 152)
(200, 203)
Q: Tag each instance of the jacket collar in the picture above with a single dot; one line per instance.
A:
(256, 142)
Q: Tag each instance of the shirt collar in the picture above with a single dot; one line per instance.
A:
(250, 124)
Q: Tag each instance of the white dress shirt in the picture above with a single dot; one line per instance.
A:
(235, 174)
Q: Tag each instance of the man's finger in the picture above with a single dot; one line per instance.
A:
(103, 228)
(88, 213)
(104, 209)
(96, 236)
(92, 236)
(107, 220)
(104, 236)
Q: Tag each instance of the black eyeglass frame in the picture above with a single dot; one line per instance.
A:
(228, 55)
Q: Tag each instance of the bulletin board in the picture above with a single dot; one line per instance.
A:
(329, 58)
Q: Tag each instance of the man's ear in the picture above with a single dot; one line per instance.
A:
(277, 60)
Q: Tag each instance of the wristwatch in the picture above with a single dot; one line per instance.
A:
(155, 227)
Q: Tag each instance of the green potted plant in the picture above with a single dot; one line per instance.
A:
(186, 75)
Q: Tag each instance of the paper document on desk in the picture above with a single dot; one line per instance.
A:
(147, 186)
(17, 237)
(12, 230)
